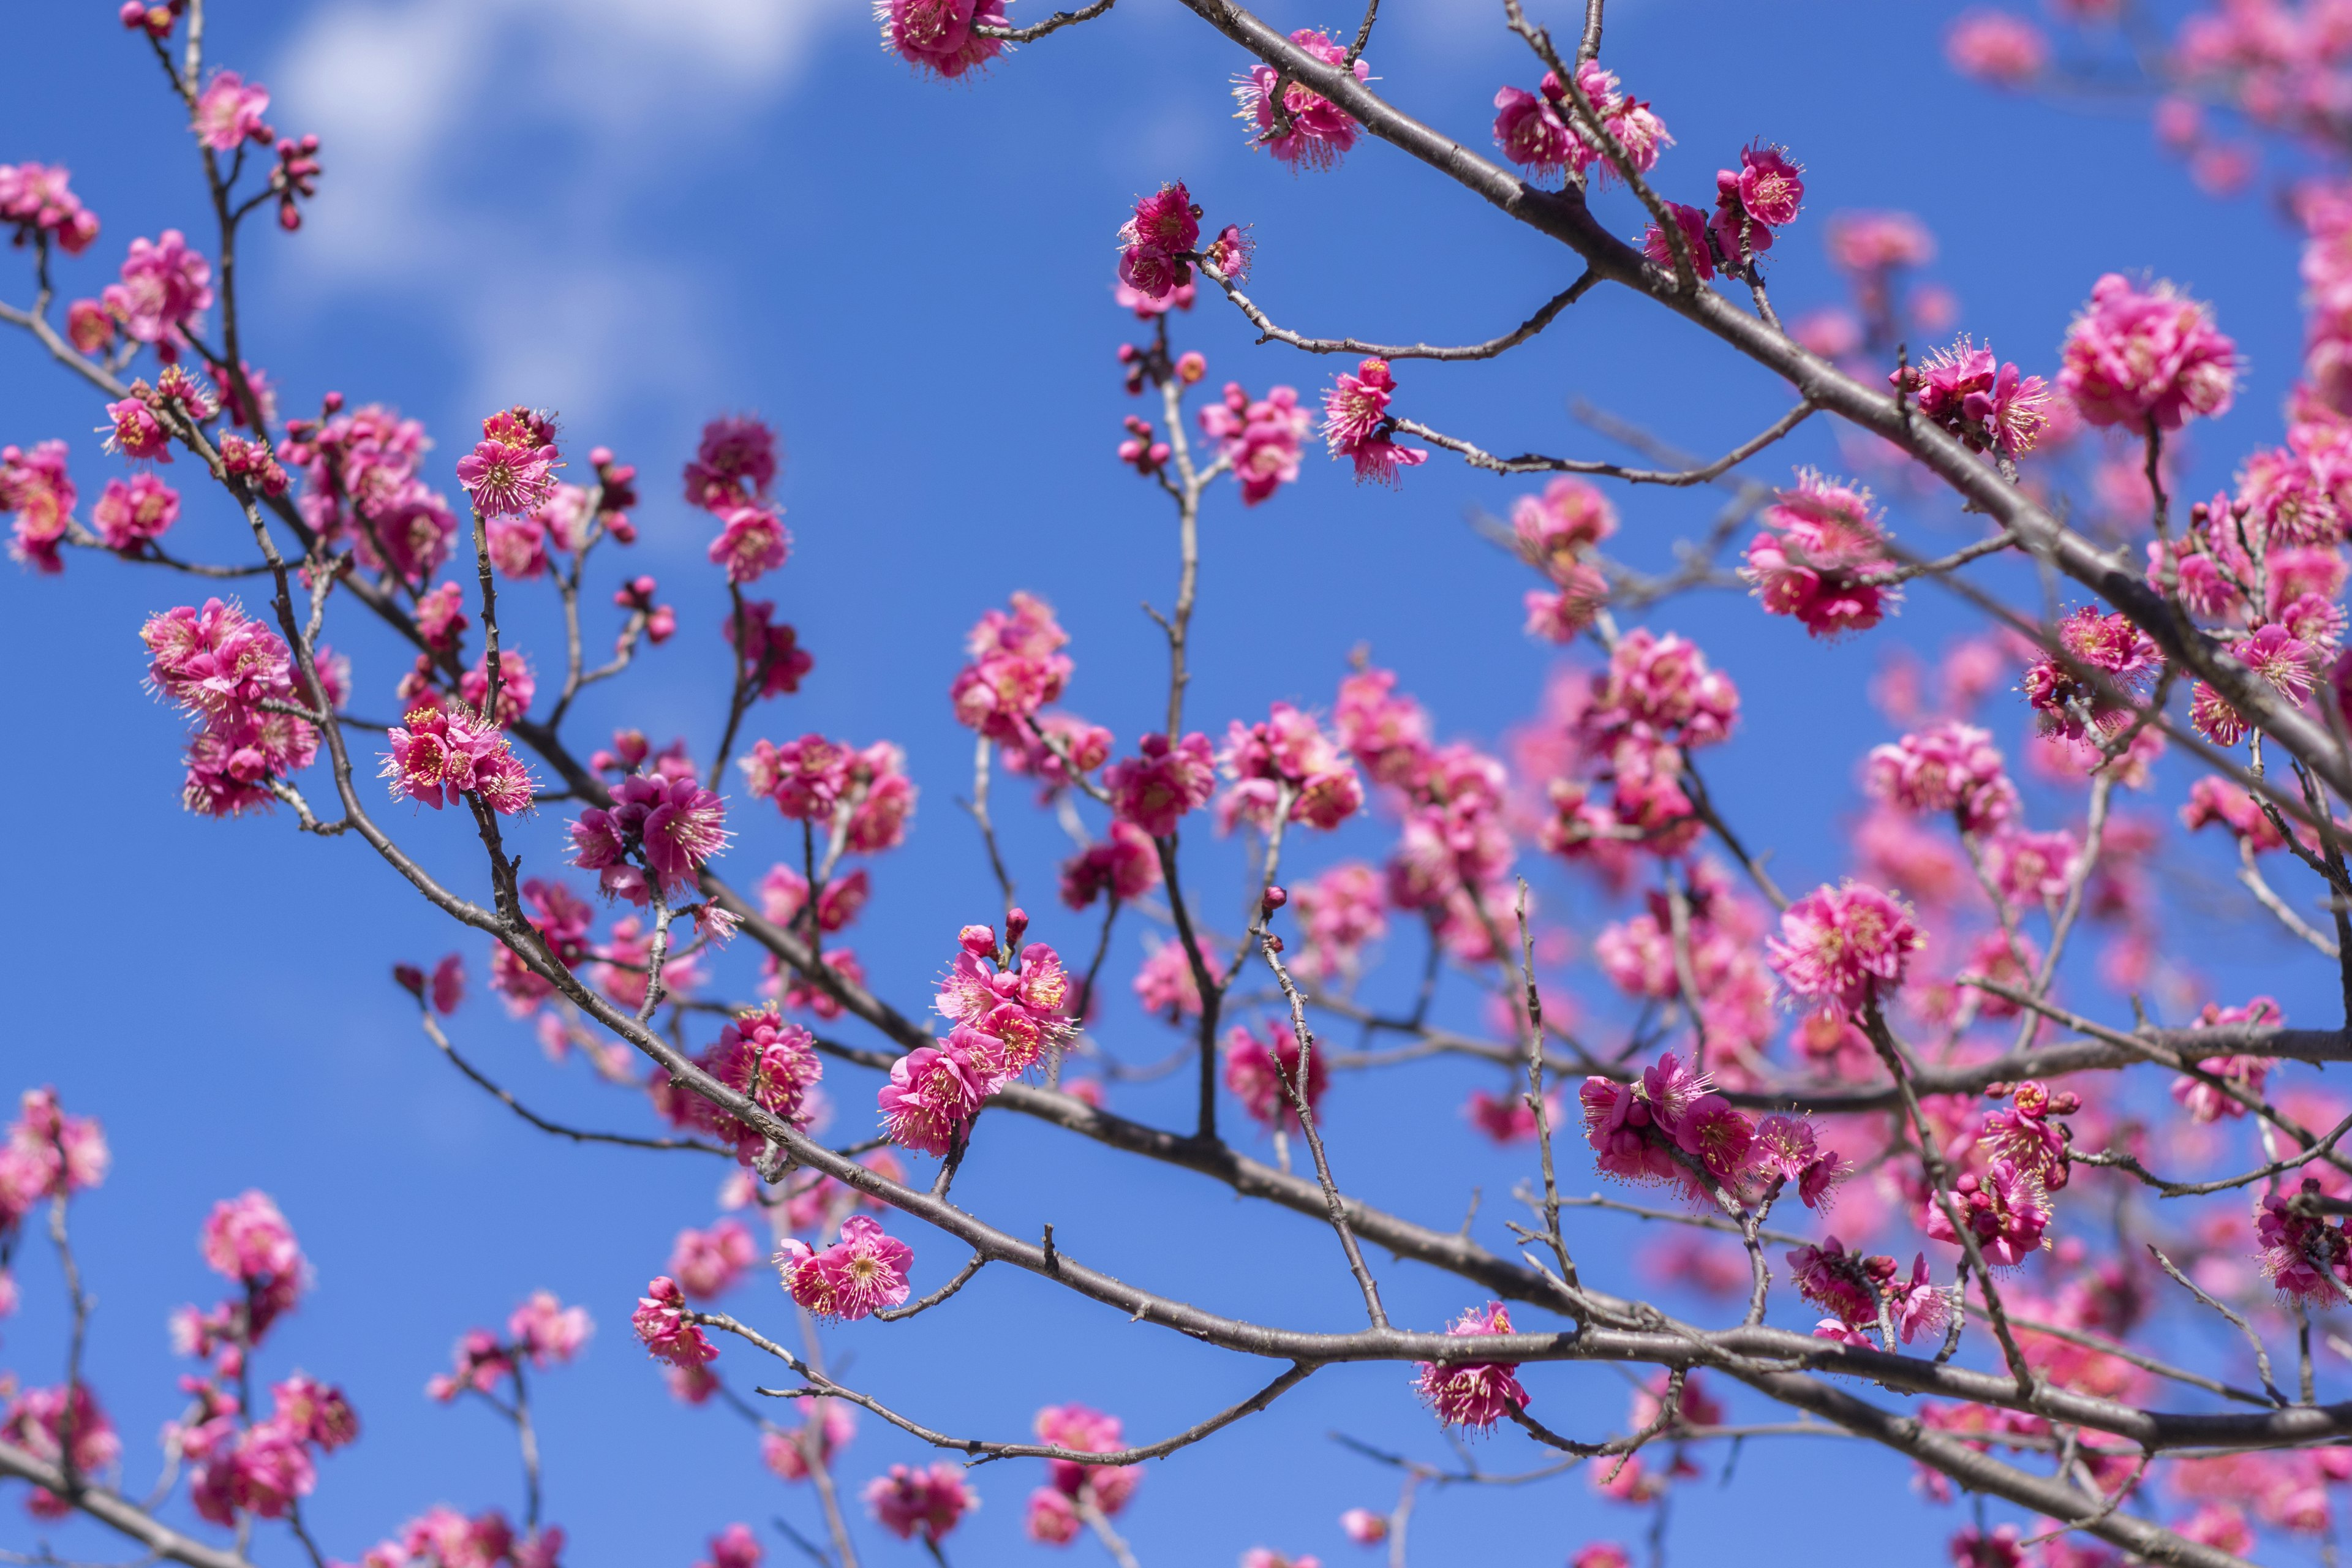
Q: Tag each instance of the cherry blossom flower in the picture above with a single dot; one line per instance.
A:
(940, 35)
(1123, 863)
(1813, 561)
(229, 112)
(1841, 946)
(1531, 130)
(734, 466)
(932, 1095)
(1946, 767)
(129, 514)
(863, 1272)
(672, 822)
(2135, 357)
(1986, 404)
(1472, 1394)
(1157, 240)
(36, 199)
(826, 1425)
(2005, 1208)
(1320, 133)
(1163, 781)
(165, 286)
(1016, 667)
(1260, 1071)
(1996, 47)
(663, 1329)
(710, 1263)
(443, 753)
(35, 486)
(1364, 1527)
(1288, 753)
(908, 1501)
(1259, 439)
(547, 1332)
(1356, 422)
(56, 1425)
(2299, 1251)
(511, 470)
(1693, 225)
(769, 1062)
(752, 543)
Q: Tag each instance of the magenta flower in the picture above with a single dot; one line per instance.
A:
(710, 1263)
(2111, 644)
(1531, 130)
(443, 752)
(907, 1502)
(2135, 356)
(2005, 1208)
(1693, 225)
(1820, 546)
(734, 466)
(1016, 667)
(863, 1272)
(1844, 946)
(1229, 256)
(129, 514)
(1320, 131)
(932, 1094)
(517, 685)
(829, 1423)
(1946, 767)
(1006, 1019)
(229, 112)
(506, 478)
(1155, 242)
(806, 778)
(2031, 868)
(35, 198)
(35, 486)
(164, 286)
(1260, 439)
(546, 1331)
(1287, 751)
(1162, 782)
(662, 1328)
(1770, 186)
(1356, 424)
(245, 1239)
(751, 544)
(1661, 686)
(136, 433)
(1474, 1394)
(1260, 1070)
(938, 36)
(1984, 403)
(1997, 47)
(769, 1062)
(45, 1422)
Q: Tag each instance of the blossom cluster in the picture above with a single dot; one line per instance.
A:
(1004, 1021)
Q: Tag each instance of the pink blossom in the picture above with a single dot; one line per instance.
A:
(2287, 663)
(1163, 781)
(1288, 752)
(1813, 561)
(1123, 863)
(54, 1425)
(35, 198)
(1364, 1527)
(1263, 1072)
(1320, 131)
(1165, 983)
(35, 486)
(1259, 439)
(446, 753)
(1474, 1394)
(769, 1062)
(1016, 667)
(1531, 130)
(2031, 868)
(1356, 422)
(1052, 1518)
(734, 1547)
(511, 472)
(546, 1331)
(734, 464)
(908, 1501)
(247, 1240)
(940, 35)
(1984, 403)
(752, 543)
(806, 778)
(931, 1096)
(1165, 230)
(710, 1263)
(129, 514)
(1879, 241)
(2110, 646)
(863, 1272)
(2005, 1208)
(1693, 225)
(1842, 945)
(517, 685)
(1770, 186)
(1996, 47)
(137, 434)
(2134, 357)
(672, 822)
(2299, 1251)
(1946, 767)
(827, 1425)
(229, 112)
(1659, 687)
(662, 1328)
(165, 287)
(1386, 733)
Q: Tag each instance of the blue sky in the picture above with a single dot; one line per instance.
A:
(645, 214)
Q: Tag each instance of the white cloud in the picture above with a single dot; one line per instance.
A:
(406, 95)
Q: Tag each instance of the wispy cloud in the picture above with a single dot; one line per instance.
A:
(474, 144)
